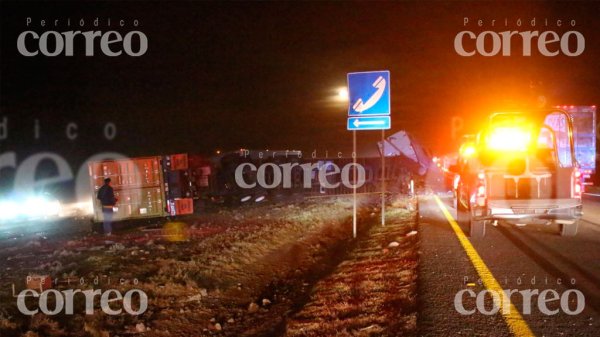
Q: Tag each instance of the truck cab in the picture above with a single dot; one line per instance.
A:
(523, 170)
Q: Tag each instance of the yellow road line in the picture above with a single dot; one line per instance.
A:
(513, 318)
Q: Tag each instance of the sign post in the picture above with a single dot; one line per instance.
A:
(368, 109)
(354, 171)
(383, 178)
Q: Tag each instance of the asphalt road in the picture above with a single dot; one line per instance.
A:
(520, 258)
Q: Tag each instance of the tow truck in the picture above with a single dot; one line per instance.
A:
(521, 169)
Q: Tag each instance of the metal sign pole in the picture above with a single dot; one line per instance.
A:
(368, 110)
(354, 184)
(382, 178)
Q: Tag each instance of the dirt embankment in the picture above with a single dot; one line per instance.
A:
(371, 293)
(240, 272)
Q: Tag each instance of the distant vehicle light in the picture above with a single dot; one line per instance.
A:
(81, 208)
(509, 139)
(8, 210)
(468, 151)
(31, 208)
(37, 206)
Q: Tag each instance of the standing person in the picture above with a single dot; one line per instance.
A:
(107, 198)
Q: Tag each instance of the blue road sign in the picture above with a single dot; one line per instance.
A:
(369, 123)
(369, 93)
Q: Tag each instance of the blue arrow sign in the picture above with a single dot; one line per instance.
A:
(369, 93)
(369, 123)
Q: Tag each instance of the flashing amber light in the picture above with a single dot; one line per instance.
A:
(468, 150)
(509, 139)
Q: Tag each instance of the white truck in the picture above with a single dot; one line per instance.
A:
(523, 170)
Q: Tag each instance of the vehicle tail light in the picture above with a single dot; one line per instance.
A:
(577, 181)
(481, 194)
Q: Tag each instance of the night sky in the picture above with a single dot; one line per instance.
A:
(263, 75)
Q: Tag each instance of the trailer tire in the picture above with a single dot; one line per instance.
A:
(569, 229)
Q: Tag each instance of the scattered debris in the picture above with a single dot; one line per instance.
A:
(252, 308)
(411, 233)
(194, 298)
(116, 247)
(372, 326)
(33, 244)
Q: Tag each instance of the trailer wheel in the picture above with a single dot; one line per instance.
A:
(569, 229)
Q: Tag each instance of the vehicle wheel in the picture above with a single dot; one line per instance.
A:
(462, 216)
(477, 228)
(569, 229)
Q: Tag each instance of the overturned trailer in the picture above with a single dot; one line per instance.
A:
(245, 176)
(403, 145)
(302, 175)
(183, 184)
(149, 187)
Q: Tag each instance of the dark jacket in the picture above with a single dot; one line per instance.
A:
(106, 195)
